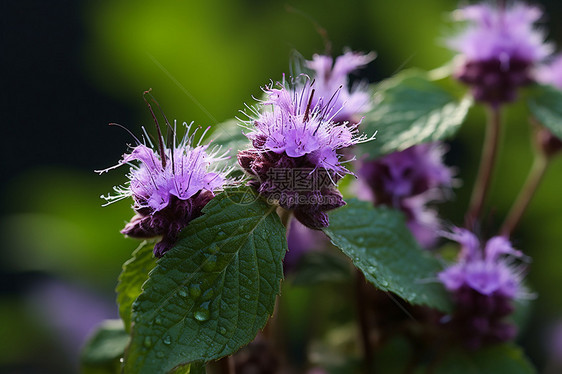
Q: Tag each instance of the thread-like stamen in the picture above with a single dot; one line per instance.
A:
(170, 132)
(305, 119)
(126, 129)
(160, 137)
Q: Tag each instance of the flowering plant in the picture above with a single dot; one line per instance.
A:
(224, 237)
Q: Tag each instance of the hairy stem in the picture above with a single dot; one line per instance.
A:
(527, 192)
(486, 168)
(363, 317)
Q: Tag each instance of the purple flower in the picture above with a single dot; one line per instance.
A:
(551, 73)
(498, 49)
(407, 180)
(331, 78)
(168, 189)
(69, 312)
(295, 159)
(484, 283)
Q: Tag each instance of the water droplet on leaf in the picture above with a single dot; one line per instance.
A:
(158, 321)
(182, 293)
(223, 330)
(202, 314)
(213, 248)
(167, 340)
(147, 342)
(160, 354)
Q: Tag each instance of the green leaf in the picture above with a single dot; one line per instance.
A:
(380, 244)
(210, 294)
(317, 267)
(545, 103)
(411, 109)
(134, 274)
(230, 135)
(104, 348)
(498, 359)
(193, 368)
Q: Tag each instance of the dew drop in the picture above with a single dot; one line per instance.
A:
(223, 330)
(147, 342)
(167, 340)
(158, 321)
(360, 240)
(221, 234)
(160, 354)
(195, 290)
(182, 293)
(202, 314)
(247, 297)
(121, 360)
(210, 263)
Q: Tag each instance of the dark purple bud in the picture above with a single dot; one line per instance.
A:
(548, 143)
(139, 227)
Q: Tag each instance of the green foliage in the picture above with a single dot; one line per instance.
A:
(212, 292)
(410, 109)
(229, 135)
(194, 368)
(134, 274)
(316, 267)
(498, 359)
(102, 352)
(379, 243)
(545, 103)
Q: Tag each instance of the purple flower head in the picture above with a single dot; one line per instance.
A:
(499, 48)
(484, 282)
(69, 312)
(407, 180)
(331, 78)
(551, 73)
(169, 188)
(295, 152)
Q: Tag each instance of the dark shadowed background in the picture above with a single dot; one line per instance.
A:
(71, 67)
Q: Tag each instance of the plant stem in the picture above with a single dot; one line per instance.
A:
(227, 365)
(224, 365)
(364, 327)
(285, 216)
(527, 192)
(487, 162)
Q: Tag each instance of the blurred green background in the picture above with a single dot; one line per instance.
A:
(71, 67)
